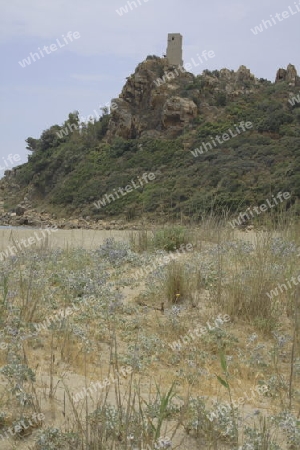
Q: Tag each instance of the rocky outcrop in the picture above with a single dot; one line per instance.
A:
(159, 101)
(237, 83)
(122, 122)
(147, 105)
(134, 112)
(243, 75)
(232, 79)
(178, 112)
(289, 75)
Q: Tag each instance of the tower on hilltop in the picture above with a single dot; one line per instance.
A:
(174, 49)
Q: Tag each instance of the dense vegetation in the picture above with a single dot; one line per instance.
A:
(71, 172)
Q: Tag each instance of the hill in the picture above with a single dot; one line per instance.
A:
(173, 145)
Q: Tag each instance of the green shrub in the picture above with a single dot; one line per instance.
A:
(170, 238)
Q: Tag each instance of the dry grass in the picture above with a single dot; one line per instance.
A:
(172, 390)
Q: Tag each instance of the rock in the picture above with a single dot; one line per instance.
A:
(289, 75)
(237, 83)
(151, 134)
(20, 210)
(121, 122)
(32, 221)
(226, 74)
(280, 75)
(141, 109)
(178, 112)
(186, 146)
(243, 74)
(23, 221)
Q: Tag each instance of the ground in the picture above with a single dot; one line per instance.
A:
(179, 339)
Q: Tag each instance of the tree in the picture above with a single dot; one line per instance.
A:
(105, 111)
(73, 118)
(32, 144)
(50, 138)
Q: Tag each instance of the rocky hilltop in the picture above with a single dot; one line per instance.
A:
(159, 101)
(161, 115)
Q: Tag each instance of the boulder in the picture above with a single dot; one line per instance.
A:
(178, 112)
(289, 75)
(243, 74)
(20, 210)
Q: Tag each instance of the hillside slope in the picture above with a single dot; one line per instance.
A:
(155, 126)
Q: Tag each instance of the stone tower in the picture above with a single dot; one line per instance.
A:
(174, 49)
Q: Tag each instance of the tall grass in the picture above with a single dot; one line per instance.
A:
(177, 284)
(168, 238)
(249, 276)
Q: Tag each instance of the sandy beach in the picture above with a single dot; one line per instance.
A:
(89, 239)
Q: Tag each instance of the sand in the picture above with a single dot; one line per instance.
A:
(88, 239)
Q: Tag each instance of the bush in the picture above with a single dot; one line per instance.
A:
(54, 439)
(221, 99)
(170, 238)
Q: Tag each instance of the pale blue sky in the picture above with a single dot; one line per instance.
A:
(88, 72)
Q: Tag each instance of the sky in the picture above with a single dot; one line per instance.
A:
(92, 46)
